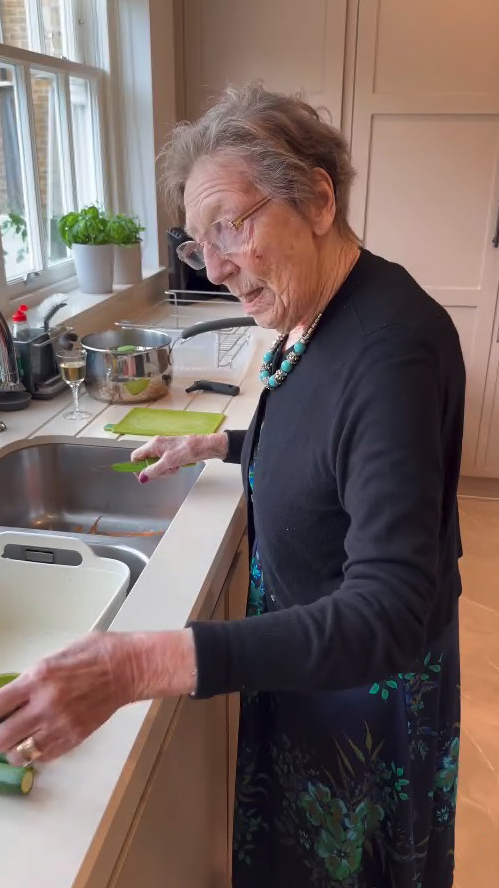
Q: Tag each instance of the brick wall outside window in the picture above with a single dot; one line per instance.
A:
(15, 32)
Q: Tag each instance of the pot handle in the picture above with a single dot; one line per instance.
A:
(217, 324)
(196, 329)
(128, 325)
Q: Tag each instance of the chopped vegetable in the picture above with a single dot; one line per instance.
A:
(15, 781)
(133, 466)
(7, 677)
(136, 386)
(140, 466)
(125, 349)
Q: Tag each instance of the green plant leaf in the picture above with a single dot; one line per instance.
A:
(377, 750)
(125, 230)
(344, 759)
(89, 225)
(356, 750)
(369, 739)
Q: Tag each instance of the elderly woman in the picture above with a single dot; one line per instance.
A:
(348, 661)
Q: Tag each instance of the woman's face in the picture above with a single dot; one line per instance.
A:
(276, 274)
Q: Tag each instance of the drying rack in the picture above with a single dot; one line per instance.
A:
(185, 310)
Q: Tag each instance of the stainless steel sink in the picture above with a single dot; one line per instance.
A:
(67, 485)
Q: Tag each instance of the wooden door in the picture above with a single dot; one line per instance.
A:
(425, 142)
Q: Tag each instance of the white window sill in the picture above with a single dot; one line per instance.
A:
(82, 308)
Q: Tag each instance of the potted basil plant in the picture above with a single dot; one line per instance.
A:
(125, 234)
(87, 234)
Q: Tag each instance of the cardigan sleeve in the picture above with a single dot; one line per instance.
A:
(236, 441)
(388, 464)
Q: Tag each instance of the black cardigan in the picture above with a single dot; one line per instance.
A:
(354, 505)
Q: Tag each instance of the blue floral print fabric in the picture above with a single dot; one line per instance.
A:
(349, 789)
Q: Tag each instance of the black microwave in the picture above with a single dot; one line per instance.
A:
(182, 278)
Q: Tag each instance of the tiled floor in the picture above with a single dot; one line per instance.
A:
(478, 806)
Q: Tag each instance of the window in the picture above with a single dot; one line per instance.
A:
(52, 145)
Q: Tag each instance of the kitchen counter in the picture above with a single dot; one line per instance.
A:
(70, 831)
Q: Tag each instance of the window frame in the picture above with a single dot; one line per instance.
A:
(24, 60)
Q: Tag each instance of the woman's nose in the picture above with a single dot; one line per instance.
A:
(218, 267)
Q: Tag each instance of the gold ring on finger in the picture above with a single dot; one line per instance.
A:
(28, 750)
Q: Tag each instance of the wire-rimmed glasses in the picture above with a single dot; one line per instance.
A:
(226, 236)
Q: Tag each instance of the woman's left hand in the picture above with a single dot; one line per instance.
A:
(67, 696)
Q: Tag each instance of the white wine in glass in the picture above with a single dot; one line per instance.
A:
(72, 364)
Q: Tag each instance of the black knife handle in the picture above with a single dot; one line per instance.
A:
(220, 388)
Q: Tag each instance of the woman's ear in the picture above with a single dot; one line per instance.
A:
(322, 209)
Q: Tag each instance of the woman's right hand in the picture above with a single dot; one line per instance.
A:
(175, 452)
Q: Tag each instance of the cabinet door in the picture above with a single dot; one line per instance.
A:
(237, 595)
(179, 836)
(288, 44)
(488, 444)
(425, 142)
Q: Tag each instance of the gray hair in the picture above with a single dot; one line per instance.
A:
(280, 138)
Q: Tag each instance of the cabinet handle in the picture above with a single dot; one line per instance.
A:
(495, 240)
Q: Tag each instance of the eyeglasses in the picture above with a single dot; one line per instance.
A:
(224, 236)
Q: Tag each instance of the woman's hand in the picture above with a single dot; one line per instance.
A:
(175, 452)
(69, 695)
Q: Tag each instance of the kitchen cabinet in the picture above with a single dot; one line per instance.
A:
(181, 834)
(237, 594)
(419, 101)
(287, 44)
(425, 142)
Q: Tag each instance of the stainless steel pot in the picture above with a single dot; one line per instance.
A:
(120, 375)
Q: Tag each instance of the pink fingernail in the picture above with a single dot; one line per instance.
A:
(143, 479)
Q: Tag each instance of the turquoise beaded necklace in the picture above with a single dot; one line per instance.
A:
(271, 380)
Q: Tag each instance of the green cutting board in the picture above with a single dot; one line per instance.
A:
(150, 421)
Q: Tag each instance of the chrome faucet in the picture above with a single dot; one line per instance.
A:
(9, 374)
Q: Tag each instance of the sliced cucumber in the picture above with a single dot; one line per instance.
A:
(133, 466)
(15, 781)
(7, 677)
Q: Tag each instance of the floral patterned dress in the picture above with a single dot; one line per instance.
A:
(349, 789)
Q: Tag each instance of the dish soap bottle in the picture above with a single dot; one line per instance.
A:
(20, 332)
(20, 322)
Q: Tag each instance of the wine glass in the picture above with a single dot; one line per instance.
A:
(72, 363)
